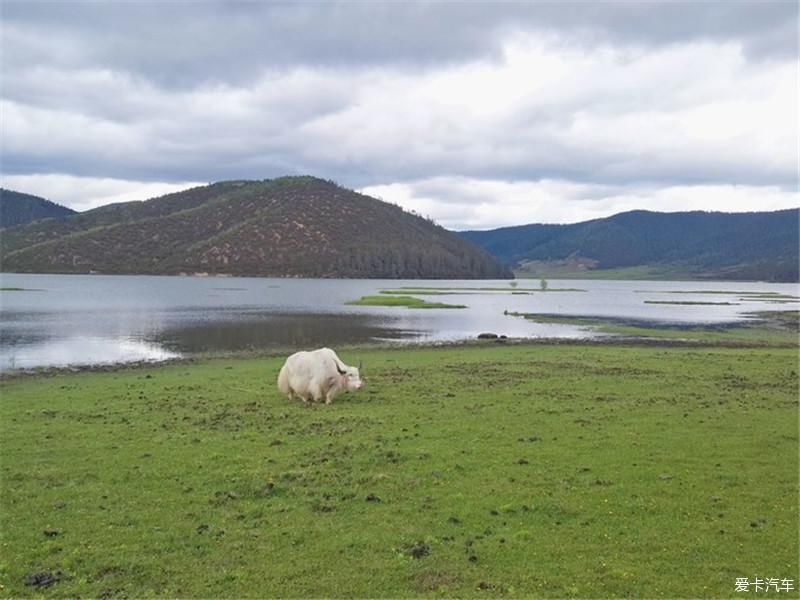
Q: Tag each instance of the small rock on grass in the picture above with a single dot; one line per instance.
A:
(418, 550)
(43, 579)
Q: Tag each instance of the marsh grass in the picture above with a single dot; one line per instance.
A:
(485, 471)
(423, 289)
(420, 292)
(554, 270)
(765, 328)
(407, 301)
(691, 303)
(743, 296)
(758, 294)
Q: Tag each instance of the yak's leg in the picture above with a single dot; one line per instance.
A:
(315, 391)
(330, 395)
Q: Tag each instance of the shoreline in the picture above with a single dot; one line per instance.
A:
(609, 340)
(607, 331)
(592, 275)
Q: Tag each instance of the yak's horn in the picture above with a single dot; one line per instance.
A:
(341, 371)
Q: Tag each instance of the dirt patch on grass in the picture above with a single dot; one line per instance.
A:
(431, 581)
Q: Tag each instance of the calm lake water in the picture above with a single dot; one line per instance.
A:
(59, 320)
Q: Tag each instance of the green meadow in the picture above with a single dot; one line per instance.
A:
(576, 470)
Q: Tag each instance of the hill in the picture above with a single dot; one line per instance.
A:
(700, 245)
(18, 209)
(290, 226)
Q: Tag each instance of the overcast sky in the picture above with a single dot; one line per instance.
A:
(476, 114)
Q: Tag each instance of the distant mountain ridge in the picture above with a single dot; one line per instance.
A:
(753, 246)
(17, 208)
(284, 227)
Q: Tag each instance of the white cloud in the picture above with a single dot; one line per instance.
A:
(462, 203)
(84, 193)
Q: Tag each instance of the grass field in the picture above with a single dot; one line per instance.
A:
(485, 471)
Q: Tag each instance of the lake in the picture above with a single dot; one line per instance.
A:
(61, 320)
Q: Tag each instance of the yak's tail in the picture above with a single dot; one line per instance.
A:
(283, 381)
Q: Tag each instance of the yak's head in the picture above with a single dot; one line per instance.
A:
(350, 378)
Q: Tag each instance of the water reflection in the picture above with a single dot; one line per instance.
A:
(80, 350)
(278, 331)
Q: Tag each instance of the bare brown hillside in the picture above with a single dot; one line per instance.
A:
(291, 226)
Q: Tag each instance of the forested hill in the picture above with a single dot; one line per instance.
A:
(17, 209)
(285, 227)
(758, 246)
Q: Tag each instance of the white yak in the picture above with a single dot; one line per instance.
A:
(316, 375)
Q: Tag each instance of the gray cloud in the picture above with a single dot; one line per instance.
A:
(612, 95)
(182, 43)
